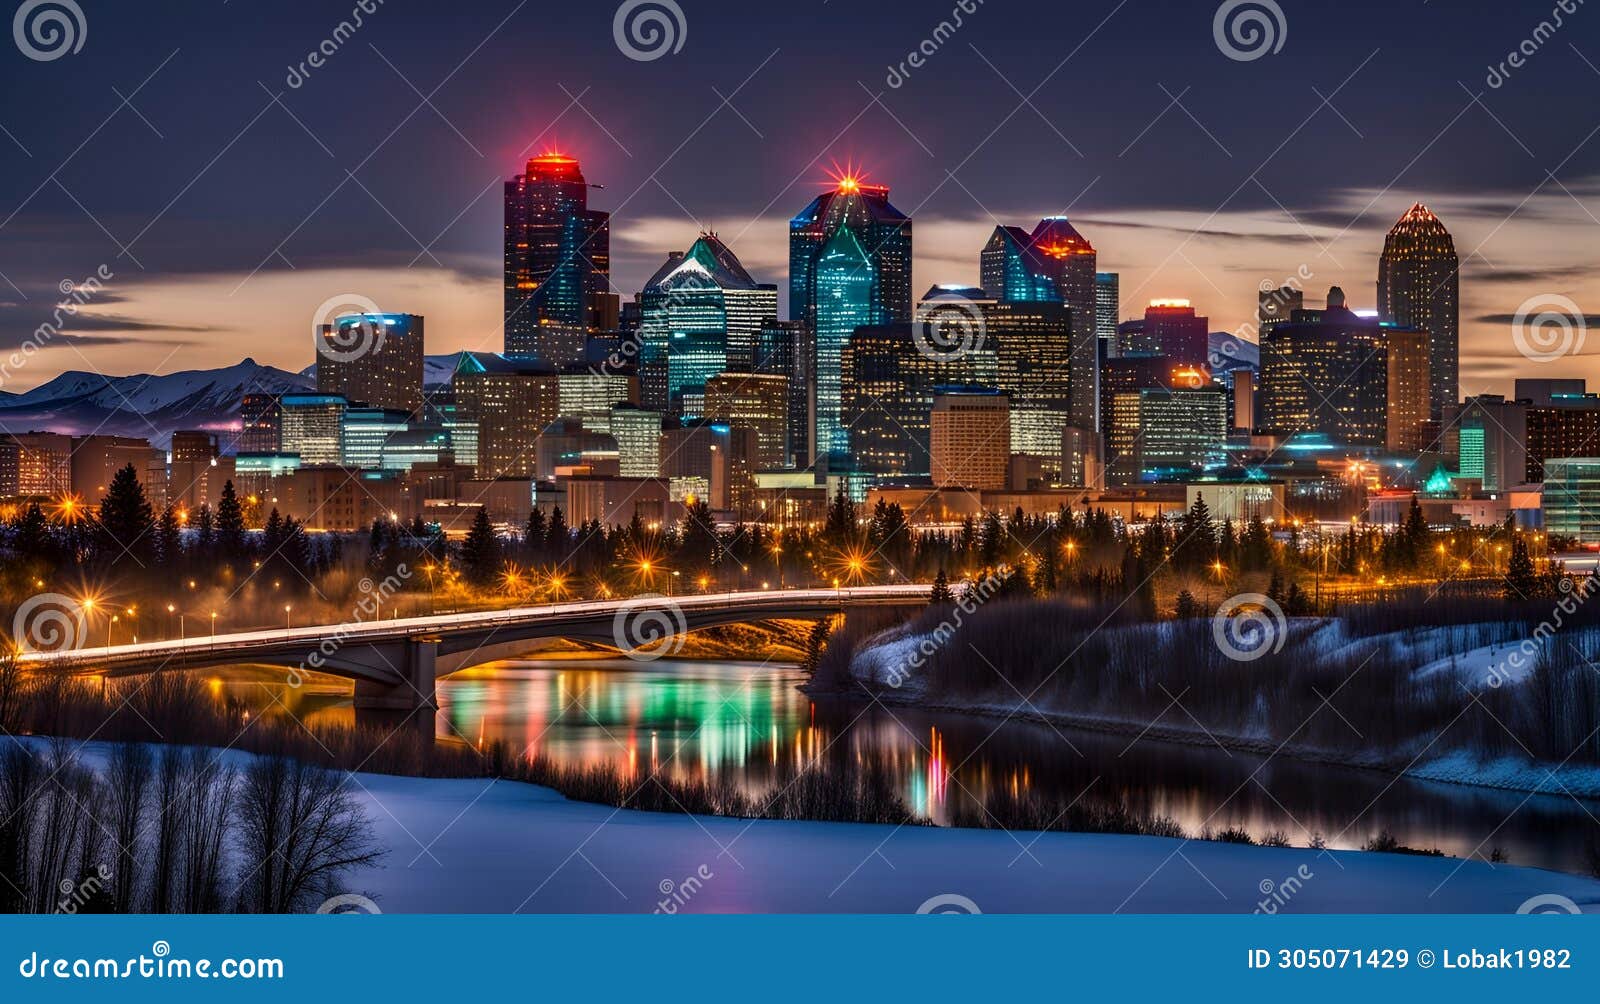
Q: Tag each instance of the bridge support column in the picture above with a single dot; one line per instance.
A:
(414, 691)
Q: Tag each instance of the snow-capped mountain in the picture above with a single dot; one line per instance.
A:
(150, 407)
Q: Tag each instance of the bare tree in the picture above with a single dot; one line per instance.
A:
(128, 775)
(300, 832)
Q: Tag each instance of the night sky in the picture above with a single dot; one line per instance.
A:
(227, 217)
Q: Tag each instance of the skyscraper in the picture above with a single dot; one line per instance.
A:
(845, 287)
(1419, 286)
(373, 359)
(1410, 389)
(1325, 371)
(1274, 306)
(701, 314)
(786, 348)
(888, 398)
(1054, 263)
(965, 425)
(884, 234)
(511, 405)
(1107, 306)
(557, 257)
(1175, 331)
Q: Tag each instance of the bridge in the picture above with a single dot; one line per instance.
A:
(394, 663)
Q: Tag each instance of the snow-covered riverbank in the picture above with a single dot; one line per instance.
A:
(482, 847)
(881, 665)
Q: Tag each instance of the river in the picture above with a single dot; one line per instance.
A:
(746, 723)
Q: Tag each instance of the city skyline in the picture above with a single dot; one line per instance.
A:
(1167, 187)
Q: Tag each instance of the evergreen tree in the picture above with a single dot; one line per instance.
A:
(127, 522)
(840, 529)
(230, 525)
(533, 532)
(480, 552)
(1187, 606)
(169, 540)
(700, 546)
(558, 540)
(1521, 582)
(941, 589)
(205, 531)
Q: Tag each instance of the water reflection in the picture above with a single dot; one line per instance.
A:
(751, 727)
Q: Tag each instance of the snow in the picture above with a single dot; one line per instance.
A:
(1482, 667)
(476, 846)
(484, 846)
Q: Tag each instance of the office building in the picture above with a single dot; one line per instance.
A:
(1275, 306)
(510, 403)
(44, 463)
(759, 402)
(786, 348)
(590, 395)
(97, 459)
(701, 314)
(967, 431)
(374, 360)
(1325, 372)
(1160, 434)
(259, 423)
(1107, 306)
(557, 260)
(881, 230)
(1411, 427)
(1572, 498)
(1419, 286)
(1053, 263)
(638, 436)
(1173, 329)
(889, 394)
(366, 431)
(312, 427)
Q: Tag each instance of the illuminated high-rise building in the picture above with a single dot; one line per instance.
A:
(786, 348)
(963, 428)
(846, 299)
(1107, 306)
(700, 315)
(889, 390)
(1274, 306)
(374, 360)
(312, 427)
(884, 234)
(758, 402)
(1325, 372)
(1161, 433)
(511, 404)
(1411, 430)
(1055, 263)
(1177, 333)
(557, 260)
(1419, 286)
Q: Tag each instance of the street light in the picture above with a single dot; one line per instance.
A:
(286, 624)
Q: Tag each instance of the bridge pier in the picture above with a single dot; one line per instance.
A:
(416, 663)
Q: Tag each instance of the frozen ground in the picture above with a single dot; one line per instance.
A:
(473, 846)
